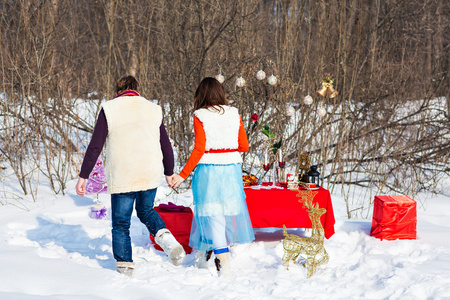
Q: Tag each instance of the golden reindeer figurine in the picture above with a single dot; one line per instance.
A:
(311, 249)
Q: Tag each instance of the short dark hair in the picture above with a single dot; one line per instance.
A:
(126, 83)
(209, 93)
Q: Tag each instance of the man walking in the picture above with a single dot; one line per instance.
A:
(138, 152)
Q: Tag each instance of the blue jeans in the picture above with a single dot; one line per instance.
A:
(121, 210)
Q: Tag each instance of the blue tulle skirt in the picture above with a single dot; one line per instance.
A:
(220, 215)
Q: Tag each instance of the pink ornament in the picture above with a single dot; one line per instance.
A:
(96, 182)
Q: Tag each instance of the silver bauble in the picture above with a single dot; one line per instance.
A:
(220, 78)
(272, 80)
(321, 112)
(240, 82)
(290, 111)
(308, 100)
(260, 75)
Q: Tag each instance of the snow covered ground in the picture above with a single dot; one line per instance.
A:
(54, 250)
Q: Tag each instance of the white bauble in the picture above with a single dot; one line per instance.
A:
(240, 82)
(321, 111)
(260, 75)
(290, 111)
(308, 100)
(272, 80)
(220, 78)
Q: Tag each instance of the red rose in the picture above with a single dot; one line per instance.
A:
(255, 117)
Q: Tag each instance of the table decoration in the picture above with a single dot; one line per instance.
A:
(303, 165)
(291, 182)
(313, 175)
(273, 155)
(249, 180)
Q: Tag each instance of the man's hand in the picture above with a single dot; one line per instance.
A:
(81, 187)
(169, 179)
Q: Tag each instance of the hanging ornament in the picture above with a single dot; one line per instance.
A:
(308, 100)
(290, 111)
(220, 78)
(240, 82)
(327, 87)
(260, 75)
(321, 112)
(272, 80)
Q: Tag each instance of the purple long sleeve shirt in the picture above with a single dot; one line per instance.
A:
(99, 138)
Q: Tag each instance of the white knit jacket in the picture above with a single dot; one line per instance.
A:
(221, 132)
(133, 149)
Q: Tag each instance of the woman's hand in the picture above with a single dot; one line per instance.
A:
(176, 181)
(81, 187)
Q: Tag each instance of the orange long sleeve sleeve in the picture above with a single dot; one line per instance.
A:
(199, 149)
(199, 146)
(243, 141)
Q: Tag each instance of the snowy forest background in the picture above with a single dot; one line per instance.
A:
(388, 129)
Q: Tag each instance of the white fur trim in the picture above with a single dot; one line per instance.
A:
(161, 232)
(221, 132)
(133, 149)
(125, 264)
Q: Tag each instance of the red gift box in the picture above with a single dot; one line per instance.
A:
(394, 217)
(179, 222)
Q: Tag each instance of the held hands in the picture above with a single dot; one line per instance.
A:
(175, 180)
(81, 187)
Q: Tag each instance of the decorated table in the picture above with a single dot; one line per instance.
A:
(275, 207)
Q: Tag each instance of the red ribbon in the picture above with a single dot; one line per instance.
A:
(221, 150)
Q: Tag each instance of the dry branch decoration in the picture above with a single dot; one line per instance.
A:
(311, 249)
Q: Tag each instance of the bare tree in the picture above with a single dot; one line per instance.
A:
(388, 128)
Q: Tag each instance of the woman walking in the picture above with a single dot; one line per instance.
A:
(221, 217)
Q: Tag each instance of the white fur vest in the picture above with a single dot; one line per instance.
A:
(221, 132)
(133, 149)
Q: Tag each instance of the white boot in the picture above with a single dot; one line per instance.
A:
(202, 259)
(170, 245)
(222, 261)
(125, 267)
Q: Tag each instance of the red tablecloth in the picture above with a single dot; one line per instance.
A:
(275, 207)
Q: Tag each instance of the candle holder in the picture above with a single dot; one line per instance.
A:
(275, 175)
(267, 167)
(282, 166)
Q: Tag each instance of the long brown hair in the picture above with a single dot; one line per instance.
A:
(209, 94)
